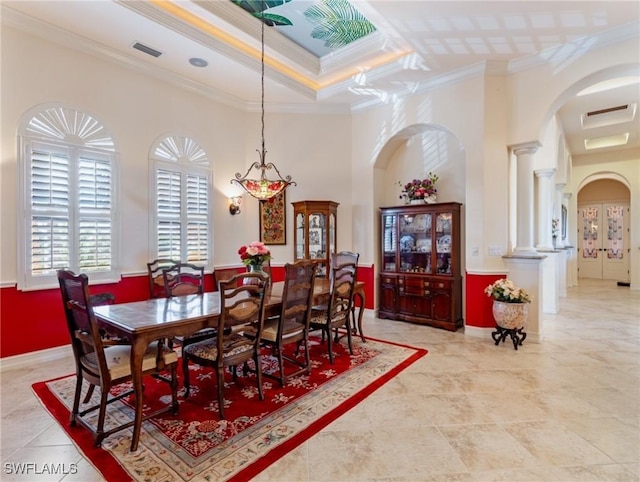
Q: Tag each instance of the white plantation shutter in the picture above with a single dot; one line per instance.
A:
(68, 198)
(49, 200)
(197, 212)
(181, 195)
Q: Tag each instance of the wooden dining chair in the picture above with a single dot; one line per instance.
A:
(154, 276)
(337, 313)
(105, 363)
(241, 306)
(181, 279)
(292, 324)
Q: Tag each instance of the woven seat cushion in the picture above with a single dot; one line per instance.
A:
(208, 349)
(119, 359)
(270, 330)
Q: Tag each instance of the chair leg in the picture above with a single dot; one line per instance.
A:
(76, 399)
(349, 337)
(185, 374)
(258, 363)
(174, 389)
(281, 366)
(102, 412)
(87, 397)
(307, 356)
(330, 344)
(220, 373)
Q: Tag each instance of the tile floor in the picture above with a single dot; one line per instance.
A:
(567, 409)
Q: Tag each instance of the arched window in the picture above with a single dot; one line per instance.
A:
(67, 191)
(180, 199)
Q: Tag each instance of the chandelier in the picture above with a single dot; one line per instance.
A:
(263, 188)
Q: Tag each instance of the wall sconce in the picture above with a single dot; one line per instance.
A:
(234, 205)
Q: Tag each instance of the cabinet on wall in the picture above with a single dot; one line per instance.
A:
(420, 277)
(315, 232)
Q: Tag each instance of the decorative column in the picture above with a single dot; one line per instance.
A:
(557, 213)
(524, 201)
(544, 208)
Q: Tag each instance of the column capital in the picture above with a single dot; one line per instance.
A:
(525, 148)
(544, 172)
(566, 195)
(560, 186)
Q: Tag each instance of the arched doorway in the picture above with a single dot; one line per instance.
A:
(604, 226)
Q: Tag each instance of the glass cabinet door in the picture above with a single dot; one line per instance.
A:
(300, 237)
(443, 243)
(317, 236)
(389, 241)
(415, 243)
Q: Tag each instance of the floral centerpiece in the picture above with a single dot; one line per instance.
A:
(419, 189)
(254, 254)
(506, 291)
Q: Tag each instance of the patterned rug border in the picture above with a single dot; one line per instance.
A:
(109, 466)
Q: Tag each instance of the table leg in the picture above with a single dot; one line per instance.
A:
(137, 354)
(360, 295)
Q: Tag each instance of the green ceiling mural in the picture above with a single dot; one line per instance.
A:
(320, 26)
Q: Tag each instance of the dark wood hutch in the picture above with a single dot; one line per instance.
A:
(420, 278)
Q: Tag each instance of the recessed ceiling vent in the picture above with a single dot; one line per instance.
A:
(606, 111)
(147, 50)
(610, 116)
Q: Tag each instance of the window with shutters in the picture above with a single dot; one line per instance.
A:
(180, 201)
(67, 182)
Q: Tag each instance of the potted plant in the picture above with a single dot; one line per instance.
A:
(510, 303)
(420, 191)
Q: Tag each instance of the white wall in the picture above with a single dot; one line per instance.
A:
(137, 109)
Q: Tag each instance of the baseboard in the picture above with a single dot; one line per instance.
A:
(34, 358)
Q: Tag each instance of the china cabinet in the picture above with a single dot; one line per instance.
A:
(420, 277)
(315, 232)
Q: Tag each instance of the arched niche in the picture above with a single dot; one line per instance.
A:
(412, 153)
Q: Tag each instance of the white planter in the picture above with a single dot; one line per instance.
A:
(510, 315)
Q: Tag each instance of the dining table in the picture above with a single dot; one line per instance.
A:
(143, 322)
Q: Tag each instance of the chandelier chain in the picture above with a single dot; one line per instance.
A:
(262, 79)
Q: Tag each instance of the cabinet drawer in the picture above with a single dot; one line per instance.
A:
(441, 284)
(388, 280)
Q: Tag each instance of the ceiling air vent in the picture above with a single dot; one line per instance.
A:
(610, 116)
(147, 50)
(606, 111)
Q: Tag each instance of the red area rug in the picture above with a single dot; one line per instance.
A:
(196, 445)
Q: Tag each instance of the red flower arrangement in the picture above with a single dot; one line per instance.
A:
(254, 254)
(419, 189)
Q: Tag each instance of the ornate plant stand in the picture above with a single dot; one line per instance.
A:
(510, 319)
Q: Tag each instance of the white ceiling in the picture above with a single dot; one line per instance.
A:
(418, 45)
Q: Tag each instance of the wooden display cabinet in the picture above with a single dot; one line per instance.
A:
(420, 277)
(315, 232)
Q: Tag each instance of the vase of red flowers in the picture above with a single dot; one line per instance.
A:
(420, 191)
(253, 256)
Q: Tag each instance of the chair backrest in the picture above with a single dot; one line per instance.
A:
(83, 327)
(242, 300)
(181, 279)
(297, 294)
(343, 281)
(154, 274)
(343, 257)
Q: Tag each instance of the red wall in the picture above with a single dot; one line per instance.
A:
(34, 320)
(479, 304)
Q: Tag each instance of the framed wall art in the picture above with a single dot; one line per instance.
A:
(273, 220)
